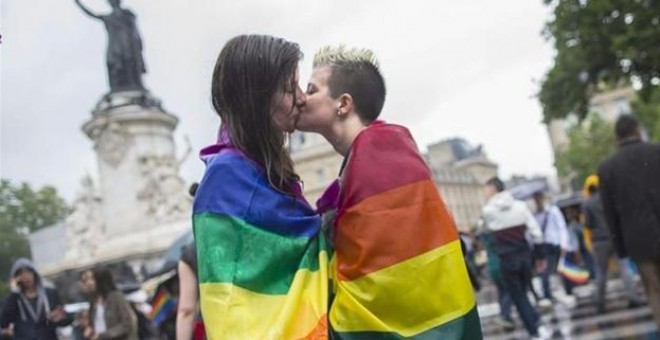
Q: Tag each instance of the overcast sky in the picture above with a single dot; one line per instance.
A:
(460, 68)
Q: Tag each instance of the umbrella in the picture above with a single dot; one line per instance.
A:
(526, 190)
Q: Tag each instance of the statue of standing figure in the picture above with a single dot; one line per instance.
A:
(124, 54)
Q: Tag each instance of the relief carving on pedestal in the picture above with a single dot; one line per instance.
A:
(112, 143)
(85, 224)
(163, 191)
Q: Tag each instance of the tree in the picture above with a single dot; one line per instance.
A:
(21, 207)
(590, 144)
(649, 114)
(600, 44)
(24, 210)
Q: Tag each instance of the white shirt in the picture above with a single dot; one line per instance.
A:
(99, 319)
(555, 231)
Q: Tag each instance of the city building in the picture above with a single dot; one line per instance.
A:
(459, 170)
(607, 105)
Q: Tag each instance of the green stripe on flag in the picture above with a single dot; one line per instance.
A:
(231, 250)
(467, 327)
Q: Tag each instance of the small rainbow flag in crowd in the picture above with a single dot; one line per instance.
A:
(162, 306)
(572, 272)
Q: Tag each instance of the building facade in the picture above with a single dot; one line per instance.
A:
(459, 171)
(607, 105)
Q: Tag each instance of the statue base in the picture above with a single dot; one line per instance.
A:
(112, 100)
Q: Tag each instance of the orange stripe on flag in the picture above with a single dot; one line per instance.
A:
(391, 227)
(320, 332)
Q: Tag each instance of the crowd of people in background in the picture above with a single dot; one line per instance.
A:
(617, 220)
(34, 309)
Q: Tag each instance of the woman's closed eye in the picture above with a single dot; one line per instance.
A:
(310, 89)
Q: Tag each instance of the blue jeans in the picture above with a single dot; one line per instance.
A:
(516, 272)
(552, 258)
(504, 299)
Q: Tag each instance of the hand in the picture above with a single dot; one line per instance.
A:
(83, 320)
(88, 333)
(9, 331)
(541, 266)
(57, 315)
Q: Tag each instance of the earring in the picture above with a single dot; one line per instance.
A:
(338, 112)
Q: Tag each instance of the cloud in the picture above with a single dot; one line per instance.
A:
(452, 69)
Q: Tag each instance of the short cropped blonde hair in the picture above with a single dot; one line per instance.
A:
(355, 71)
(338, 55)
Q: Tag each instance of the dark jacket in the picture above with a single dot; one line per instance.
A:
(120, 319)
(16, 310)
(630, 190)
(595, 219)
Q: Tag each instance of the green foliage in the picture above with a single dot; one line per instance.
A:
(590, 144)
(600, 44)
(649, 114)
(24, 210)
(12, 247)
(21, 207)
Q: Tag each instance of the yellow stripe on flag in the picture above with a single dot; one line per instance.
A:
(409, 297)
(231, 312)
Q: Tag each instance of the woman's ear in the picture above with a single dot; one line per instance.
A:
(345, 104)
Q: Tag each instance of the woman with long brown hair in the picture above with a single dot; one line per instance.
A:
(110, 316)
(261, 261)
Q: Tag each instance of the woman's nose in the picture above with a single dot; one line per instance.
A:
(301, 98)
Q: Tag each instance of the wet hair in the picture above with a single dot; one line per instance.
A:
(626, 126)
(355, 72)
(250, 71)
(105, 283)
(496, 183)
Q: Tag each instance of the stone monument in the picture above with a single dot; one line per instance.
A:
(140, 204)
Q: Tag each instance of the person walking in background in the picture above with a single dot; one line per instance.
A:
(603, 249)
(555, 241)
(495, 271)
(110, 315)
(572, 247)
(510, 220)
(33, 311)
(630, 193)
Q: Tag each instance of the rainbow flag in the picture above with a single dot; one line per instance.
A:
(262, 260)
(162, 306)
(398, 269)
(572, 271)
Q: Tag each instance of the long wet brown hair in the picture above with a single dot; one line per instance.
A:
(249, 72)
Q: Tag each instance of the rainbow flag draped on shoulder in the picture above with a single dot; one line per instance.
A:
(398, 267)
(262, 260)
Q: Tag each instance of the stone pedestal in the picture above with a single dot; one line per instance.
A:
(140, 204)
